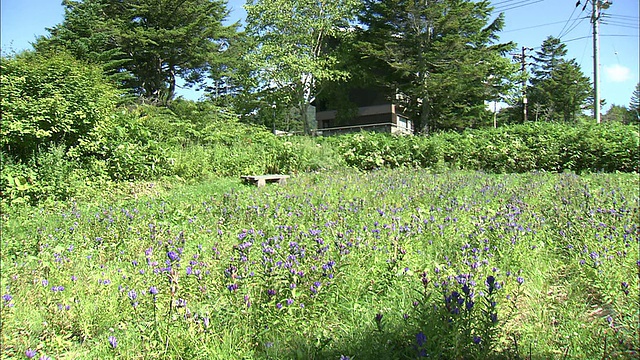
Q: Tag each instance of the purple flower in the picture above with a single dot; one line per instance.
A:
(44, 357)
(520, 280)
(477, 339)
(173, 256)
(113, 341)
(7, 297)
(278, 306)
(465, 289)
(232, 287)
(45, 282)
(421, 339)
(30, 353)
(493, 317)
(74, 278)
(491, 281)
(469, 305)
(153, 290)
(610, 320)
(378, 317)
(132, 295)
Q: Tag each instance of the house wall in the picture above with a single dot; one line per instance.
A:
(366, 115)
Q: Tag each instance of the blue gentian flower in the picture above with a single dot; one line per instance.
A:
(113, 341)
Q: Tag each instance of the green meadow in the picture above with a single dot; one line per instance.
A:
(385, 264)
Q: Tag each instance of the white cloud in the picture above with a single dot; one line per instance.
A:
(617, 73)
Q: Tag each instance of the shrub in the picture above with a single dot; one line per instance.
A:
(508, 149)
(52, 99)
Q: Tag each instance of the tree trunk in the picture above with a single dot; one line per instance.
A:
(425, 115)
(172, 86)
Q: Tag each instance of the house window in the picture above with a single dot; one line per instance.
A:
(325, 124)
(402, 122)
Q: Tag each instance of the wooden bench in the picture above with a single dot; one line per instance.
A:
(261, 180)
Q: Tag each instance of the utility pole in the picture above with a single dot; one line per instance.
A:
(595, 19)
(523, 67)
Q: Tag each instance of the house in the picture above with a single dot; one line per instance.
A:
(367, 109)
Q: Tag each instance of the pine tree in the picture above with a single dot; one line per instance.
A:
(442, 57)
(152, 41)
(559, 89)
(634, 106)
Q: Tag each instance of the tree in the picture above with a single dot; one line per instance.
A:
(291, 59)
(89, 36)
(155, 41)
(551, 54)
(558, 88)
(616, 113)
(441, 56)
(634, 106)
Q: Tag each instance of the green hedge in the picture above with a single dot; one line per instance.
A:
(510, 149)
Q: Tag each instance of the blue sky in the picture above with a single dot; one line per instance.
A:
(528, 23)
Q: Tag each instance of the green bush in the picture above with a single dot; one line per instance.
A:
(509, 149)
(48, 174)
(49, 99)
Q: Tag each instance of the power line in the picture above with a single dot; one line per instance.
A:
(573, 26)
(602, 35)
(620, 35)
(628, 23)
(503, 2)
(578, 38)
(512, 3)
(621, 25)
(534, 26)
(516, 5)
(569, 19)
(619, 21)
(622, 16)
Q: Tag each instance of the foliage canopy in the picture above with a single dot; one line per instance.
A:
(53, 99)
(442, 57)
(146, 44)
